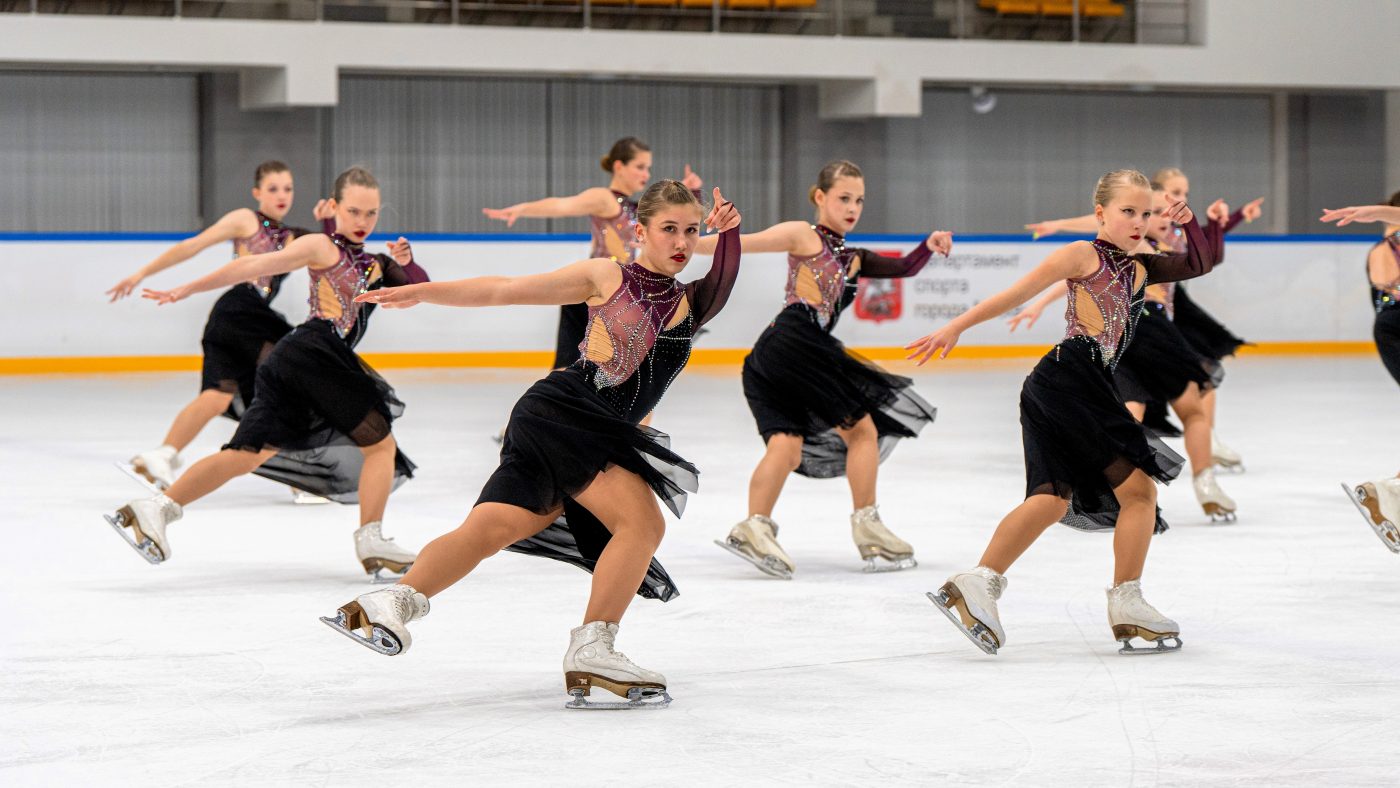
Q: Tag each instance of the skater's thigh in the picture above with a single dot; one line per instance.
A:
(620, 499)
(508, 524)
(1190, 403)
(863, 429)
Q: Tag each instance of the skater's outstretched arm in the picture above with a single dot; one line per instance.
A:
(597, 201)
(316, 251)
(239, 223)
(1362, 213)
(584, 281)
(1077, 224)
(792, 237)
(877, 266)
(1032, 313)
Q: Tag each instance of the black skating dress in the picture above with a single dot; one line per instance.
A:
(801, 380)
(584, 419)
(1386, 300)
(1080, 441)
(242, 326)
(316, 401)
(1207, 335)
(615, 238)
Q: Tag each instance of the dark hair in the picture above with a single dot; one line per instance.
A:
(355, 176)
(1395, 200)
(267, 168)
(624, 150)
(830, 173)
(663, 194)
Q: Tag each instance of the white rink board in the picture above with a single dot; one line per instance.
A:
(1266, 292)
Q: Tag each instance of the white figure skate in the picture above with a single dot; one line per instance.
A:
(592, 661)
(969, 600)
(1214, 502)
(1131, 617)
(379, 620)
(154, 469)
(377, 553)
(755, 540)
(1224, 457)
(882, 550)
(147, 519)
(304, 498)
(1379, 503)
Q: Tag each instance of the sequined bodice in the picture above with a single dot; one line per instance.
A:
(825, 282)
(1387, 296)
(1104, 306)
(333, 289)
(628, 353)
(617, 237)
(271, 236)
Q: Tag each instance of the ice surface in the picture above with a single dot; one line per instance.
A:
(212, 668)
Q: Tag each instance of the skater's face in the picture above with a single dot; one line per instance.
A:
(274, 194)
(1159, 227)
(840, 206)
(634, 174)
(668, 240)
(356, 212)
(1178, 187)
(1123, 221)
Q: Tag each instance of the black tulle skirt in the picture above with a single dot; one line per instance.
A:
(1205, 333)
(1159, 365)
(1387, 334)
(317, 403)
(1080, 440)
(238, 336)
(800, 380)
(573, 323)
(560, 436)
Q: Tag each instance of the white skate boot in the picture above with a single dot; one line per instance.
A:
(1130, 616)
(969, 600)
(155, 468)
(591, 661)
(1214, 502)
(377, 553)
(755, 540)
(1379, 503)
(1224, 457)
(379, 620)
(882, 550)
(147, 519)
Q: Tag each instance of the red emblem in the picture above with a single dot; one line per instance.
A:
(879, 300)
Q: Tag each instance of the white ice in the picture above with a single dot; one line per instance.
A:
(212, 668)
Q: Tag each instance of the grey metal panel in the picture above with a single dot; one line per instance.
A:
(98, 152)
(1338, 158)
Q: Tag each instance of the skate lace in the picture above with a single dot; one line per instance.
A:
(609, 639)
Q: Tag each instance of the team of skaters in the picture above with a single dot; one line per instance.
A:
(582, 476)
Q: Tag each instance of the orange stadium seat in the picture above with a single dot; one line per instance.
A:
(791, 4)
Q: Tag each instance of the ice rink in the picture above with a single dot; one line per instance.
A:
(212, 668)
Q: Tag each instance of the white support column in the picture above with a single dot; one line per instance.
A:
(1277, 201)
(882, 97)
(295, 85)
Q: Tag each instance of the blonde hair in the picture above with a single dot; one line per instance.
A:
(1167, 173)
(355, 176)
(1113, 182)
(663, 194)
(841, 168)
(624, 150)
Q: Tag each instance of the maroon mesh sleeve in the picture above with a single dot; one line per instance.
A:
(877, 266)
(708, 294)
(1198, 259)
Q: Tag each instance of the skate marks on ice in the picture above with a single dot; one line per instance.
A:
(1369, 506)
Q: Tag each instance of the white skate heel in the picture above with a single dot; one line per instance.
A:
(1379, 503)
(154, 469)
(1214, 502)
(881, 549)
(379, 620)
(1131, 617)
(377, 553)
(147, 519)
(969, 600)
(591, 661)
(1224, 457)
(755, 540)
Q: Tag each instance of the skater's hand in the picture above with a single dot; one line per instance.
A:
(392, 297)
(724, 216)
(324, 210)
(1219, 212)
(1030, 314)
(1178, 211)
(401, 251)
(166, 296)
(941, 341)
(507, 215)
(124, 287)
(940, 242)
(1361, 213)
(1251, 209)
(1041, 229)
(691, 181)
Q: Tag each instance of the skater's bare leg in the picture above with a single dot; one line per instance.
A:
(1195, 427)
(862, 461)
(376, 479)
(488, 529)
(780, 458)
(1208, 401)
(646, 420)
(209, 405)
(1138, 409)
(629, 509)
(1137, 515)
(1019, 530)
(213, 472)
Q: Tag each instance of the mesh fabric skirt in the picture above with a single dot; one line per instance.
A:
(1205, 333)
(561, 435)
(317, 403)
(800, 380)
(1080, 440)
(240, 333)
(1159, 365)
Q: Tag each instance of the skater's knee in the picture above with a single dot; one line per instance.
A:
(786, 450)
(384, 446)
(1136, 491)
(862, 432)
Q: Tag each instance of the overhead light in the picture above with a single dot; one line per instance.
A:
(983, 100)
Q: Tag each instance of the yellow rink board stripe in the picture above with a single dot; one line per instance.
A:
(538, 359)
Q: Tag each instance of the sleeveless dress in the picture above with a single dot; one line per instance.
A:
(1079, 439)
(584, 419)
(801, 380)
(1386, 300)
(316, 401)
(615, 238)
(242, 326)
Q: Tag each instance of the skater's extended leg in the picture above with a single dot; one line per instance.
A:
(862, 461)
(1195, 427)
(202, 409)
(488, 529)
(214, 471)
(1020, 528)
(1138, 409)
(780, 458)
(376, 479)
(1137, 515)
(629, 509)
